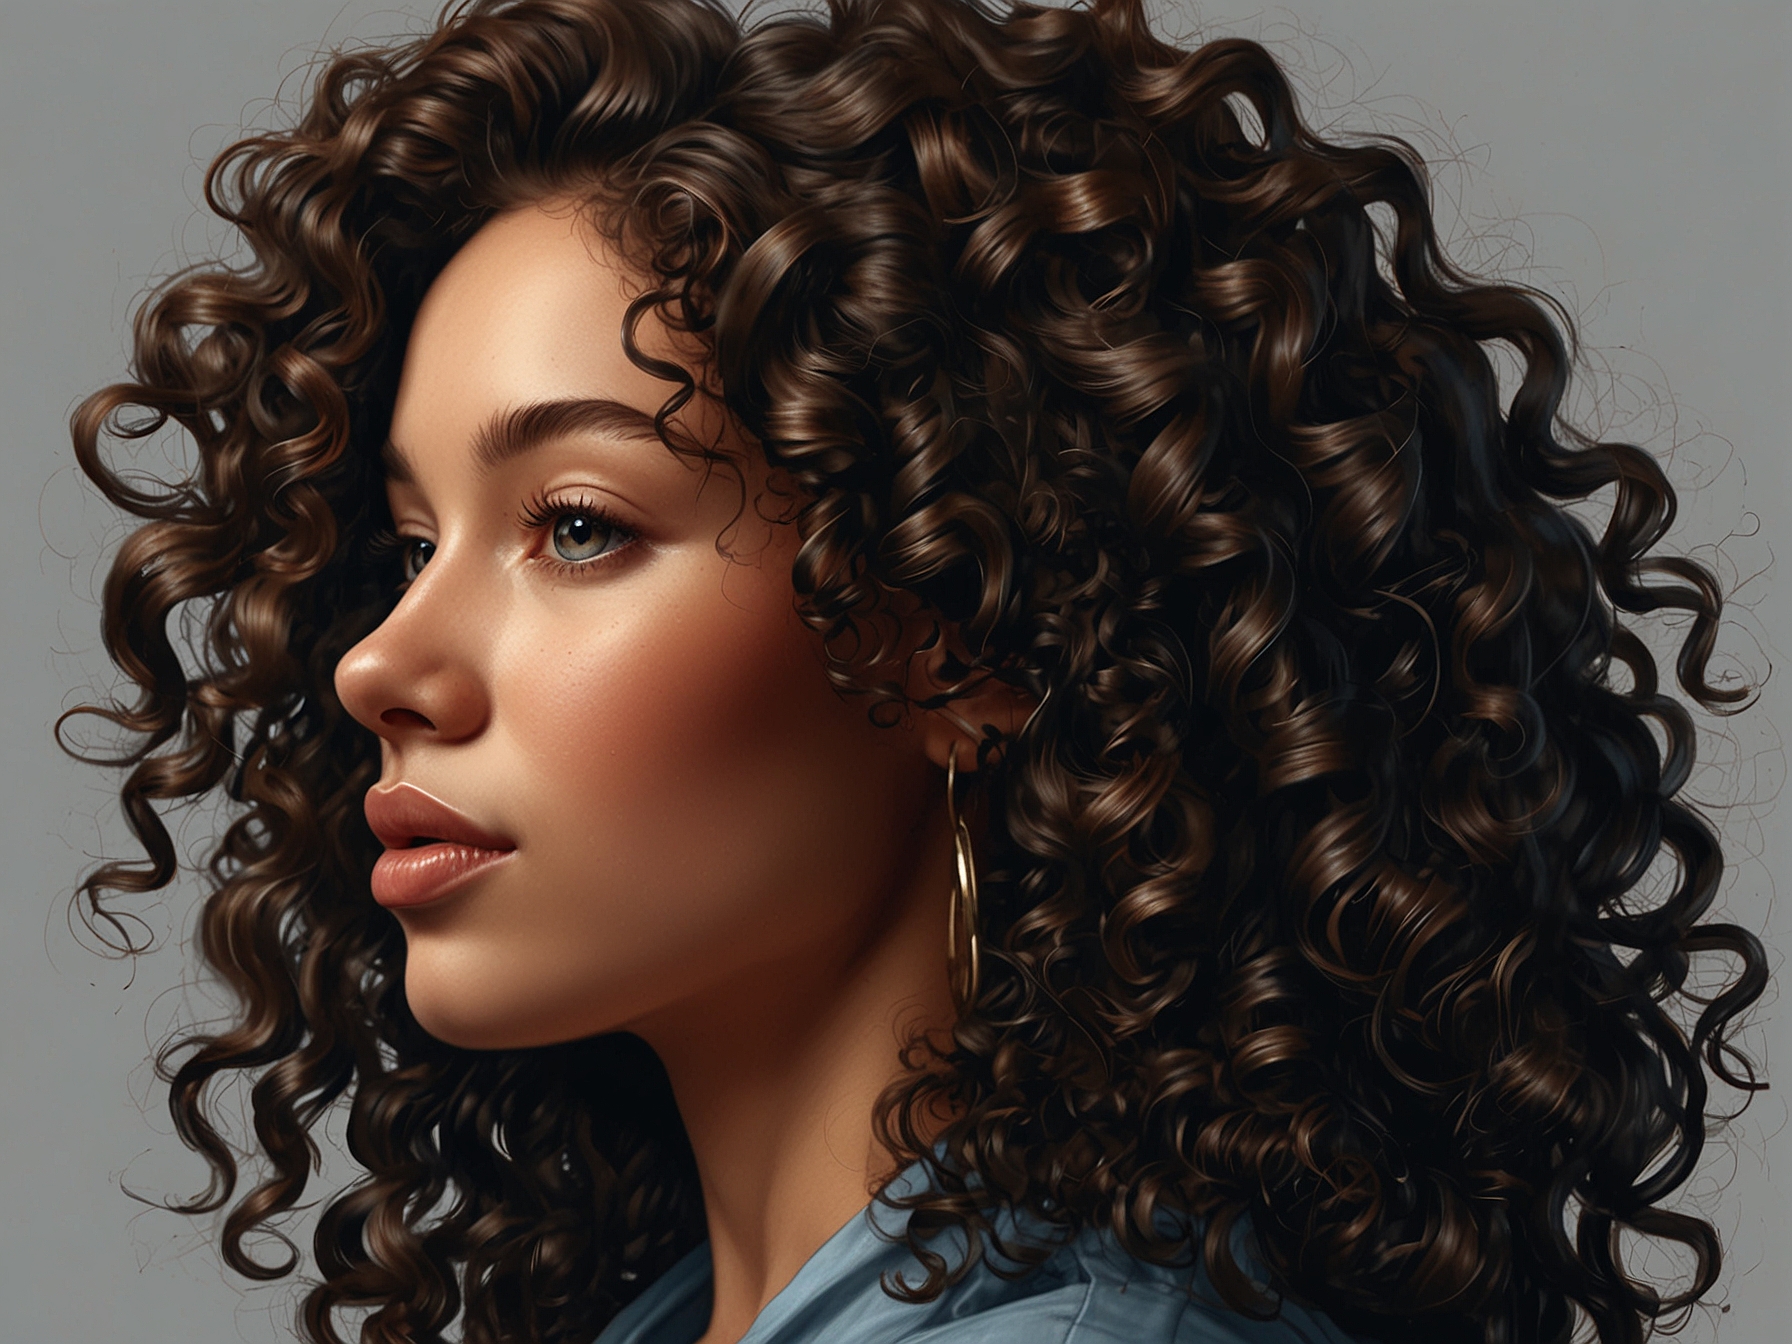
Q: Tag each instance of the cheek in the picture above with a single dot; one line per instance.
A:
(694, 753)
(656, 706)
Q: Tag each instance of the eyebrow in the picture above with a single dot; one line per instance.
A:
(521, 429)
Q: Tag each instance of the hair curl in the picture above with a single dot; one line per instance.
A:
(1318, 891)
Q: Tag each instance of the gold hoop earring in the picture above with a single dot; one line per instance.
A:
(962, 951)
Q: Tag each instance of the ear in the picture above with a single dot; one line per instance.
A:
(960, 725)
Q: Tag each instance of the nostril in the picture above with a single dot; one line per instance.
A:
(404, 718)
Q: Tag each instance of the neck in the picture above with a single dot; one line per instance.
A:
(776, 1077)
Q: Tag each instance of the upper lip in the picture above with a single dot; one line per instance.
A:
(403, 814)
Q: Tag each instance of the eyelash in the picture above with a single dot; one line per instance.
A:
(543, 511)
(387, 545)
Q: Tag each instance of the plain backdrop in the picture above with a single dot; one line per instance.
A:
(1629, 156)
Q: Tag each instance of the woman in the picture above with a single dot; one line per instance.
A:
(922, 603)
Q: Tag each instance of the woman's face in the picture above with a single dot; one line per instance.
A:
(615, 777)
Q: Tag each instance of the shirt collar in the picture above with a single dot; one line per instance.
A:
(841, 1281)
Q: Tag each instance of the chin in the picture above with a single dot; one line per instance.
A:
(472, 1021)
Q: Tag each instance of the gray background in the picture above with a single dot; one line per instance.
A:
(1629, 155)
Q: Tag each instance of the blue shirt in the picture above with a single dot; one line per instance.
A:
(1089, 1292)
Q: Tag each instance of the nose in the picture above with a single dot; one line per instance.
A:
(414, 677)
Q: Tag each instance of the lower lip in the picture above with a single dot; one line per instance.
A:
(410, 877)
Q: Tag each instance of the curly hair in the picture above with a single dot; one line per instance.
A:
(1322, 894)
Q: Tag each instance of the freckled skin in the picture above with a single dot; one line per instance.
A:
(713, 849)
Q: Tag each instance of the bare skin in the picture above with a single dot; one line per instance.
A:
(708, 846)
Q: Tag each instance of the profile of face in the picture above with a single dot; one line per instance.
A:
(616, 782)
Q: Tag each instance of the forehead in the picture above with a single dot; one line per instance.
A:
(529, 310)
(518, 343)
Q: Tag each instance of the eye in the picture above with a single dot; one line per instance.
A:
(579, 532)
(583, 536)
(413, 556)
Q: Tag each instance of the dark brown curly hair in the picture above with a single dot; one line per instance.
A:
(1323, 891)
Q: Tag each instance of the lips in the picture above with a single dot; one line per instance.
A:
(431, 849)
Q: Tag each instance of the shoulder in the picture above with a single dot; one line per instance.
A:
(1092, 1294)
